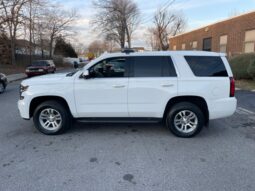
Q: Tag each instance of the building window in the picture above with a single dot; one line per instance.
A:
(183, 46)
(223, 43)
(174, 47)
(194, 45)
(207, 44)
(249, 44)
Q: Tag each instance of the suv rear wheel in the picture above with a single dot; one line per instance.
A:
(185, 119)
(52, 118)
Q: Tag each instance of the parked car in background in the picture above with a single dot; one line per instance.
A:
(182, 89)
(3, 82)
(40, 67)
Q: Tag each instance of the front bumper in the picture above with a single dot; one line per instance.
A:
(37, 73)
(23, 109)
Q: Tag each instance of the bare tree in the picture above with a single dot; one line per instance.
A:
(12, 18)
(33, 15)
(110, 42)
(57, 22)
(166, 24)
(97, 47)
(152, 39)
(117, 18)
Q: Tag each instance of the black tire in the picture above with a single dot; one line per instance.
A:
(185, 106)
(63, 111)
(2, 87)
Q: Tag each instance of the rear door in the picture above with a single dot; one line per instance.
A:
(152, 82)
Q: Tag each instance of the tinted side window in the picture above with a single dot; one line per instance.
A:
(109, 68)
(153, 66)
(207, 66)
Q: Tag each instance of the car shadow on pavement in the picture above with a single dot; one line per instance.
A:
(117, 127)
(136, 128)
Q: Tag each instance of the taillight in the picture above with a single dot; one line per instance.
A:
(232, 87)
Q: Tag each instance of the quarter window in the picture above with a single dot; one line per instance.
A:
(153, 66)
(207, 66)
(109, 68)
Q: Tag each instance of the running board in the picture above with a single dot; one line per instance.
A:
(119, 120)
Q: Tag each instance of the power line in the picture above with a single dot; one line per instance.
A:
(165, 6)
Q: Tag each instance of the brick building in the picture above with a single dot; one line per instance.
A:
(233, 36)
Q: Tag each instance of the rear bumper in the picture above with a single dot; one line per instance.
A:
(222, 108)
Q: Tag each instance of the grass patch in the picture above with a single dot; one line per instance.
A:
(245, 84)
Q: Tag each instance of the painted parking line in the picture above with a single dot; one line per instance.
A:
(241, 110)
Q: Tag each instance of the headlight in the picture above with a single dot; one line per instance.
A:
(27, 70)
(21, 90)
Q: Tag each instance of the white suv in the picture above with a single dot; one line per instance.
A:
(182, 89)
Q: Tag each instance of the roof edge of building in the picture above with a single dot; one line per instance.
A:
(217, 22)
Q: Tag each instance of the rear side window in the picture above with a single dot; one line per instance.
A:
(153, 66)
(207, 66)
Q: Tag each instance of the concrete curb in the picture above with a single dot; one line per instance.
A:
(239, 89)
(15, 77)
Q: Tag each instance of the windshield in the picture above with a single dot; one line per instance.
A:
(39, 63)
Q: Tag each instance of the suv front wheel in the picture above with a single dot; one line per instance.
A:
(52, 118)
(185, 120)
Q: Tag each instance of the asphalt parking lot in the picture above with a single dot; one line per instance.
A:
(127, 157)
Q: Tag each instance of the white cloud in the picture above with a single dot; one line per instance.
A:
(191, 4)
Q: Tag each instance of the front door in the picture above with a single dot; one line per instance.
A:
(104, 94)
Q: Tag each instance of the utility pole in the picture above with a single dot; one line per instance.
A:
(30, 32)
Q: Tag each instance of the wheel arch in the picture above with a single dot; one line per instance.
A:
(38, 100)
(197, 100)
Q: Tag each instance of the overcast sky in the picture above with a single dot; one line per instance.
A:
(197, 13)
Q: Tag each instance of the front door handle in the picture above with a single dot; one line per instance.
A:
(167, 85)
(118, 86)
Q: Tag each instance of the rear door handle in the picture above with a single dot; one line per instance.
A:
(167, 85)
(118, 86)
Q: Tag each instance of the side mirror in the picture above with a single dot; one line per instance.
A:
(85, 74)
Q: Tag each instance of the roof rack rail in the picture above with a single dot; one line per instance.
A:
(127, 50)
